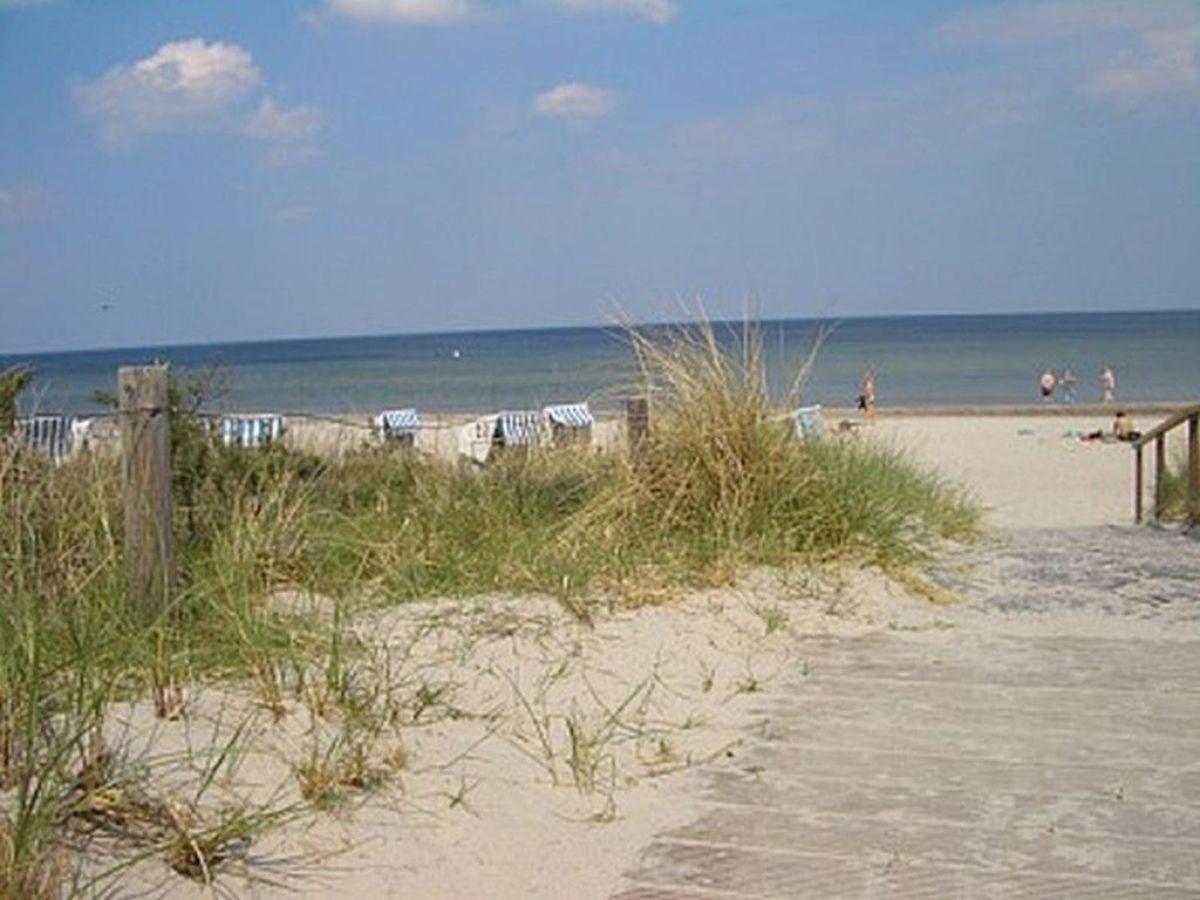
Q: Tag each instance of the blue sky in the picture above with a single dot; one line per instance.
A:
(224, 170)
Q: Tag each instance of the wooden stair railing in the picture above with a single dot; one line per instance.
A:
(1158, 434)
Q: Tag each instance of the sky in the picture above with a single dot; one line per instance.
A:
(177, 171)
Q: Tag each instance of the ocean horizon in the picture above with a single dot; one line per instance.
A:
(919, 360)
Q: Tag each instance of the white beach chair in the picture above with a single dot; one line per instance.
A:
(808, 422)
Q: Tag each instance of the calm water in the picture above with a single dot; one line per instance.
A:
(919, 360)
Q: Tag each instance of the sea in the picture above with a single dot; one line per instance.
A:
(929, 360)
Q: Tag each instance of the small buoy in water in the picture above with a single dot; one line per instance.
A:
(456, 353)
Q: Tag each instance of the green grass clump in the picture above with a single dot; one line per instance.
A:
(1171, 503)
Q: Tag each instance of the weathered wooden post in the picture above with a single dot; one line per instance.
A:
(145, 426)
(1160, 471)
(1193, 468)
(1137, 483)
(637, 421)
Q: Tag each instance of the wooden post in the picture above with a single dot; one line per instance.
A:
(145, 427)
(1193, 466)
(1137, 483)
(637, 421)
(1160, 471)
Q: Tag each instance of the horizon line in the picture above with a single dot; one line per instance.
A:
(243, 342)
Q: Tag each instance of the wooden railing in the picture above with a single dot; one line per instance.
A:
(1158, 435)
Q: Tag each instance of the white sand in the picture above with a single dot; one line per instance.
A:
(490, 804)
(1030, 471)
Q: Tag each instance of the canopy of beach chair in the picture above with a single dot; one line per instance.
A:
(570, 415)
(399, 421)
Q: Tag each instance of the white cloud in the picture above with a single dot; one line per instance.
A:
(289, 156)
(402, 12)
(293, 215)
(272, 122)
(195, 85)
(574, 102)
(26, 202)
(777, 128)
(1023, 22)
(658, 11)
(1119, 50)
(1167, 62)
(184, 85)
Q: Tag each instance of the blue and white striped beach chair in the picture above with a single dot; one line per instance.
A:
(251, 431)
(50, 436)
(569, 423)
(809, 424)
(399, 425)
(518, 429)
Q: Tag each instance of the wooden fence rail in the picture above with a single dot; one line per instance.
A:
(1158, 435)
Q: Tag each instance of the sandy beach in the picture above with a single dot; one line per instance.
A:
(554, 750)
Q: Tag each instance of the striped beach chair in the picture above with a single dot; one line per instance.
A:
(49, 436)
(518, 429)
(569, 423)
(251, 431)
(399, 426)
(808, 422)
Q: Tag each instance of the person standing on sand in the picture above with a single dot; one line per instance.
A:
(1047, 383)
(866, 399)
(1108, 382)
(1068, 385)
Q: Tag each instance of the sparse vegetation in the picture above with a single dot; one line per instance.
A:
(721, 484)
(1171, 503)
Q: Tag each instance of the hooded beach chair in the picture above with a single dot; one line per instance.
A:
(50, 436)
(251, 431)
(475, 439)
(809, 424)
(569, 423)
(399, 426)
(518, 429)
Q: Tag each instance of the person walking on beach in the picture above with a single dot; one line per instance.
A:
(1108, 383)
(867, 397)
(1047, 383)
(1069, 381)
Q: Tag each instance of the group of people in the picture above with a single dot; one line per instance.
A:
(1050, 382)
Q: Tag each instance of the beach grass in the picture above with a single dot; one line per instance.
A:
(720, 484)
(1170, 504)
